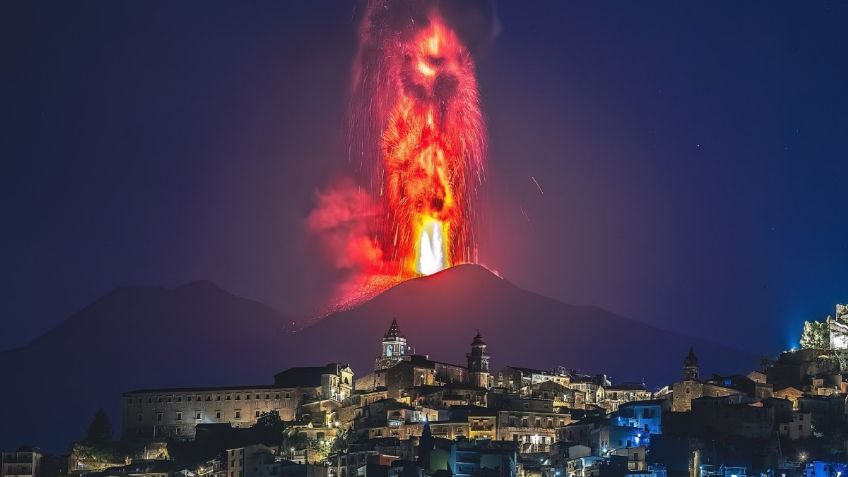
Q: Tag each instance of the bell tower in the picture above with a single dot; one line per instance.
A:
(393, 348)
(478, 363)
(690, 366)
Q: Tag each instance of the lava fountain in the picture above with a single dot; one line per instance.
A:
(417, 128)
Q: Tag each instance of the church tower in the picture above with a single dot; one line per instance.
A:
(393, 348)
(690, 366)
(478, 363)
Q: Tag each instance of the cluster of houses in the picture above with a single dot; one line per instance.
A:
(413, 415)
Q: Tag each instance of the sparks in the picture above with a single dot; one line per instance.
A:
(416, 110)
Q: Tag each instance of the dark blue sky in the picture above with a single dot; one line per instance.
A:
(693, 155)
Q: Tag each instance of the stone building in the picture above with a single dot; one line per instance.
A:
(683, 392)
(393, 348)
(838, 329)
(248, 461)
(174, 412)
(478, 364)
(532, 423)
(514, 378)
(396, 369)
(23, 463)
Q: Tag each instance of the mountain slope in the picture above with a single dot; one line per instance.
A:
(134, 337)
(440, 314)
(200, 335)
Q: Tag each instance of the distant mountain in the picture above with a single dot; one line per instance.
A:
(134, 337)
(200, 335)
(440, 314)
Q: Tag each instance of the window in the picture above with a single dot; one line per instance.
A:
(188, 398)
(238, 414)
(208, 398)
(180, 399)
(197, 415)
(217, 398)
(228, 398)
(257, 396)
(268, 396)
(257, 413)
(179, 416)
(217, 414)
(238, 397)
(159, 417)
(287, 396)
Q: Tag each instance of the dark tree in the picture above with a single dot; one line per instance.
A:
(100, 431)
(269, 419)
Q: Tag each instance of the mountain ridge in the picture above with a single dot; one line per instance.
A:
(199, 334)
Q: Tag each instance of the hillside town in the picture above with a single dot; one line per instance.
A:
(412, 415)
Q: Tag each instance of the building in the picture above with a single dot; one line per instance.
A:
(692, 387)
(478, 363)
(25, 462)
(643, 415)
(838, 329)
(175, 412)
(530, 423)
(248, 461)
(514, 378)
(473, 458)
(393, 348)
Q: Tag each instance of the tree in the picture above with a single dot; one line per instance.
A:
(269, 428)
(815, 335)
(270, 419)
(99, 431)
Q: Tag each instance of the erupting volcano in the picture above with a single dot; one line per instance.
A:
(418, 141)
(418, 132)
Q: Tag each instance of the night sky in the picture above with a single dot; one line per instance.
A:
(693, 155)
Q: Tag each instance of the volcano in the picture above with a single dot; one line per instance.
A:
(200, 335)
(440, 314)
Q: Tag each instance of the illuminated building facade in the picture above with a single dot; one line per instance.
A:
(175, 412)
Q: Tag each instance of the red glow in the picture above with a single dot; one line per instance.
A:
(418, 129)
(432, 154)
